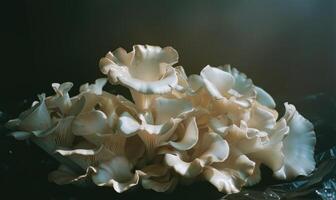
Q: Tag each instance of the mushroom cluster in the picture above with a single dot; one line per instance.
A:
(217, 126)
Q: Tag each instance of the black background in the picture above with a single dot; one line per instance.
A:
(287, 47)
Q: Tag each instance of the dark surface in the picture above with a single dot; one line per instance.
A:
(287, 47)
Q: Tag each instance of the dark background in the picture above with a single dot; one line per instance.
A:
(287, 47)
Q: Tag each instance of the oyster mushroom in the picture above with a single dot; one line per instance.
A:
(146, 70)
(36, 118)
(157, 124)
(61, 101)
(297, 145)
(210, 148)
(232, 174)
(216, 126)
(245, 87)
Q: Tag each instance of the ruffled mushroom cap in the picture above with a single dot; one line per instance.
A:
(34, 119)
(244, 87)
(146, 70)
(229, 176)
(193, 89)
(269, 149)
(298, 145)
(264, 147)
(117, 174)
(187, 135)
(61, 101)
(100, 111)
(217, 81)
(231, 109)
(262, 117)
(264, 98)
(187, 86)
(210, 148)
(96, 88)
(234, 94)
(158, 124)
(115, 159)
(221, 86)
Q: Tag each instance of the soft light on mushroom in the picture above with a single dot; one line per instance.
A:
(217, 126)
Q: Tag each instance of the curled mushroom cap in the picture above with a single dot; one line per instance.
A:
(156, 126)
(116, 173)
(61, 100)
(96, 88)
(229, 176)
(297, 145)
(245, 87)
(34, 121)
(146, 69)
(217, 81)
(210, 148)
(100, 111)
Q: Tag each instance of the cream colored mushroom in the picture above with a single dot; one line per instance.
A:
(146, 70)
(217, 126)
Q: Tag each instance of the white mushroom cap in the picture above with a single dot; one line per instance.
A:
(298, 145)
(217, 81)
(147, 69)
(116, 173)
